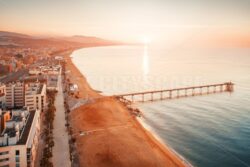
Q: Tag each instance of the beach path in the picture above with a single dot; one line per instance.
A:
(61, 155)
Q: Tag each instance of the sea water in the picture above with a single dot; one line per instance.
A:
(208, 131)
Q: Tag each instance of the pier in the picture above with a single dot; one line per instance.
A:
(175, 93)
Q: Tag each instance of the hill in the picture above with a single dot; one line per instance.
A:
(12, 39)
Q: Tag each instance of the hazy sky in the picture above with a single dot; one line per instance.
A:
(124, 19)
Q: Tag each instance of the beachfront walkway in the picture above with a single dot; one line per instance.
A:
(61, 155)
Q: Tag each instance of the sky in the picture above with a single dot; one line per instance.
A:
(129, 20)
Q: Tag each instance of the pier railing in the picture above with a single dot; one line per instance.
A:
(175, 93)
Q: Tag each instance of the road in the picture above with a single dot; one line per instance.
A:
(61, 155)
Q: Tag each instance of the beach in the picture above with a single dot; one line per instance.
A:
(114, 137)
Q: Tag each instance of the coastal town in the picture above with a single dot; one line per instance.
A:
(114, 83)
(51, 116)
(27, 90)
(30, 94)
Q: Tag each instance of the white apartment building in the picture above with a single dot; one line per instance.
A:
(52, 82)
(2, 95)
(35, 96)
(19, 140)
(14, 95)
(46, 70)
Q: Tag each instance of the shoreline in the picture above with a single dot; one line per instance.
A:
(86, 92)
(162, 144)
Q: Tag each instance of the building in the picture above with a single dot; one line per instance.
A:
(20, 94)
(4, 117)
(35, 71)
(45, 70)
(14, 95)
(60, 58)
(52, 82)
(19, 140)
(49, 74)
(2, 95)
(35, 96)
(73, 88)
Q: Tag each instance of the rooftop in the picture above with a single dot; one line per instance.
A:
(45, 69)
(17, 117)
(24, 131)
(29, 79)
(10, 131)
(14, 83)
(34, 88)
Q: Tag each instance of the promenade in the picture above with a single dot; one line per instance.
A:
(61, 156)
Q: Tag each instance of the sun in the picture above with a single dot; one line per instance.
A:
(146, 40)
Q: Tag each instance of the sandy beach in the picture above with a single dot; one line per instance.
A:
(114, 137)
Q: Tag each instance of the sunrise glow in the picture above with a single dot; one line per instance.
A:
(124, 83)
(146, 40)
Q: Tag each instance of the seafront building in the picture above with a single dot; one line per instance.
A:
(2, 95)
(19, 94)
(19, 139)
(52, 82)
(4, 117)
(35, 96)
(15, 95)
(48, 73)
(46, 70)
(21, 104)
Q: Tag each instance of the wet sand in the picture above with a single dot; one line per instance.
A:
(113, 138)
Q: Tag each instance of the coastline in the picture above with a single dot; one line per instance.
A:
(162, 145)
(165, 154)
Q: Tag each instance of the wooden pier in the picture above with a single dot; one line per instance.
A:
(175, 93)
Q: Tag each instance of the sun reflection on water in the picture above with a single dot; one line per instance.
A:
(145, 61)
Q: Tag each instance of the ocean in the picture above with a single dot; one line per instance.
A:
(208, 131)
